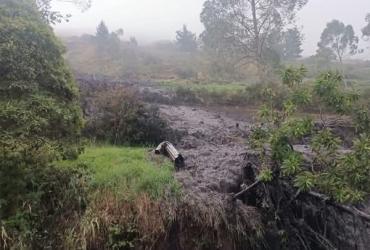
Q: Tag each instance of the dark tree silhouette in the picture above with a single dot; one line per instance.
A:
(186, 40)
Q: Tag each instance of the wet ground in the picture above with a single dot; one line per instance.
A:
(213, 147)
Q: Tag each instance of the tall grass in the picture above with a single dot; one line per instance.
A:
(127, 171)
(128, 190)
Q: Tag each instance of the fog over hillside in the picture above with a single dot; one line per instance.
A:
(150, 20)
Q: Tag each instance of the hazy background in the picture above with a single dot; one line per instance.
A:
(151, 20)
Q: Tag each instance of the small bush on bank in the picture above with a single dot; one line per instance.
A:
(115, 115)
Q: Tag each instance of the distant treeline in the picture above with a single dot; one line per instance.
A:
(242, 40)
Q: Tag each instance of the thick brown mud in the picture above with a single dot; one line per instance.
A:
(214, 146)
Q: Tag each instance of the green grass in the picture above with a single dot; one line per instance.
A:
(230, 88)
(127, 171)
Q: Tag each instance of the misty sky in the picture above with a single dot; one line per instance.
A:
(151, 20)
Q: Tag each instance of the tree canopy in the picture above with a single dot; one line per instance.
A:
(244, 26)
(52, 16)
(366, 29)
(292, 44)
(339, 40)
(186, 40)
(40, 118)
(102, 32)
(108, 43)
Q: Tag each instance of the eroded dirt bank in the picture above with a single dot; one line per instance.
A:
(271, 216)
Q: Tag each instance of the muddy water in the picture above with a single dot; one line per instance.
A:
(213, 148)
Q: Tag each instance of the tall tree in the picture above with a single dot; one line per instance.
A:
(243, 26)
(366, 29)
(108, 43)
(339, 39)
(102, 32)
(186, 40)
(292, 44)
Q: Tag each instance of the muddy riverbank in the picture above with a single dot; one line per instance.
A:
(215, 147)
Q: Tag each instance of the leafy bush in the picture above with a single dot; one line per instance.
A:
(118, 117)
(40, 119)
(343, 176)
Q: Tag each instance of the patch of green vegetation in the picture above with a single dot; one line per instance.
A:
(343, 177)
(127, 171)
(232, 88)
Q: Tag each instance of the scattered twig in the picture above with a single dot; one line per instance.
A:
(246, 189)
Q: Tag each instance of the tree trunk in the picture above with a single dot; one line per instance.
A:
(257, 46)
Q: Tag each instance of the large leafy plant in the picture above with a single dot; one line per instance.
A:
(342, 173)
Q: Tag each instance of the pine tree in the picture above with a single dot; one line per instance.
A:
(186, 40)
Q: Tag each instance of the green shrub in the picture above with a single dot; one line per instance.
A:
(40, 118)
(343, 176)
(119, 118)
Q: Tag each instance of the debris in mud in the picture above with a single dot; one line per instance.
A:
(166, 148)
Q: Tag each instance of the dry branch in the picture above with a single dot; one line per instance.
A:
(246, 189)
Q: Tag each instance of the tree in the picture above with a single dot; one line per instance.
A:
(242, 27)
(133, 41)
(186, 40)
(108, 43)
(40, 117)
(102, 32)
(292, 44)
(287, 44)
(53, 17)
(366, 30)
(338, 39)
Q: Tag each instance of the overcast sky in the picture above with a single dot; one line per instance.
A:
(151, 20)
